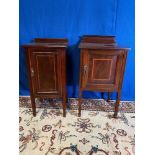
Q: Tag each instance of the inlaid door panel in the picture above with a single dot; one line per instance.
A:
(102, 69)
(47, 72)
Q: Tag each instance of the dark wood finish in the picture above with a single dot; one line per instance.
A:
(108, 40)
(46, 61)
(102, 66)
(49, 40)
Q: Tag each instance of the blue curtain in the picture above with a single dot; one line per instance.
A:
(72, 19)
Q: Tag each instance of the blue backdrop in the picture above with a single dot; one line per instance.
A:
(71, 19)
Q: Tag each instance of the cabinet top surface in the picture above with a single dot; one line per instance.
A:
(48, 42)
(100, 46)
(58, 45)
(99, 42)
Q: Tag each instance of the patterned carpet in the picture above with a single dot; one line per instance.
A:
(95, 133)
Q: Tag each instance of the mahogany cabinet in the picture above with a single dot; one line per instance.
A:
(46, 61)
(102, 65)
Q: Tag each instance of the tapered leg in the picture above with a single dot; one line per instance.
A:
(64, 105)
(108, 100)
(80, 100)
(117, 104)
(33, 105)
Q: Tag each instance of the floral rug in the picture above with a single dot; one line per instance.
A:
(87, 104)
(95, 132)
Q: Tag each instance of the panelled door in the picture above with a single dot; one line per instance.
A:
(46, 72)
(101, 68)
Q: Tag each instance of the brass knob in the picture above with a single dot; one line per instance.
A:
(85, 70)
(32, 72)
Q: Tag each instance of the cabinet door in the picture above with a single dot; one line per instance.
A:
(101, 69)
(46, 72)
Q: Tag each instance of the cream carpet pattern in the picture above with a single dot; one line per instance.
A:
(96, 132)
